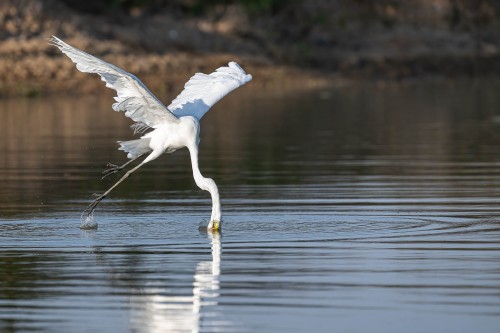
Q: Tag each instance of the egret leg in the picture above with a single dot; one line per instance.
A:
(115, 168)
(93, 205)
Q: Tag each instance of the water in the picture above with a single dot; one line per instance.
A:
(351, 209)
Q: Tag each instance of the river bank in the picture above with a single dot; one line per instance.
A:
(283, 44)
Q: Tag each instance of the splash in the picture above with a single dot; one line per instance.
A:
(87, 221)
(203, 226)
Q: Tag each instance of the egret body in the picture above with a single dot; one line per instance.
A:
(164, 129)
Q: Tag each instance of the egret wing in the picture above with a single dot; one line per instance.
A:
(202, 91)
(133, 97)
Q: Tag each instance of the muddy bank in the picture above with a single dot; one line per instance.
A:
(162, 51)
(293, 43)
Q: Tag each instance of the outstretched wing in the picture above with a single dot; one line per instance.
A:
(133, 97)
(202, 91)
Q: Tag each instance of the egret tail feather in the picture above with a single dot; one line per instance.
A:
(135, 148)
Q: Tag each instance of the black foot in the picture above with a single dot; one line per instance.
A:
(90, 209)
(113, 168)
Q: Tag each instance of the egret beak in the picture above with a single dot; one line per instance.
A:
(215, 226)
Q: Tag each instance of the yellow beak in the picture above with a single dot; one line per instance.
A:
(215, 226)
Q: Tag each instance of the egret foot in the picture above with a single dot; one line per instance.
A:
(112, 168)
(90, 209)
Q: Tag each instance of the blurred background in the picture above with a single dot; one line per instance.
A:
(359, 171)
(283, 42)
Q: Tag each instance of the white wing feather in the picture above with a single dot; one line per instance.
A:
(202, 91)
(133, 97)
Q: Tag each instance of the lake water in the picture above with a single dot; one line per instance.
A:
(352, 209)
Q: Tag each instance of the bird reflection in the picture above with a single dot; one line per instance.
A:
(158, 312)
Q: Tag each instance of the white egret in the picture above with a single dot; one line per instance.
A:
(168, 128)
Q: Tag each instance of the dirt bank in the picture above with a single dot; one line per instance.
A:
(291, 43)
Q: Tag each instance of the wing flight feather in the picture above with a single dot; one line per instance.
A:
(133, 97)
(202, 91)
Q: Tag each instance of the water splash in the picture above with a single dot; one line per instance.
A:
(87, 221)
(203, 226)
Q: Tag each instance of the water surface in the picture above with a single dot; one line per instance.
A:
(351, 209)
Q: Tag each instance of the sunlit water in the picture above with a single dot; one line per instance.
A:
(352, 209)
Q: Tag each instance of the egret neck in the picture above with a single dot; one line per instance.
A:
(209, 185)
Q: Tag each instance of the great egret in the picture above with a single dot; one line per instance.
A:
(172, 127)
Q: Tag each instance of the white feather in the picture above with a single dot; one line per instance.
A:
(202, 91)
(133, 97)
(171, 131)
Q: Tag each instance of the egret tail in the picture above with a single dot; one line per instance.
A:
(135, 148)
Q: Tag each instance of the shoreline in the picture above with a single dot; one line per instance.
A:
(381, 43)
